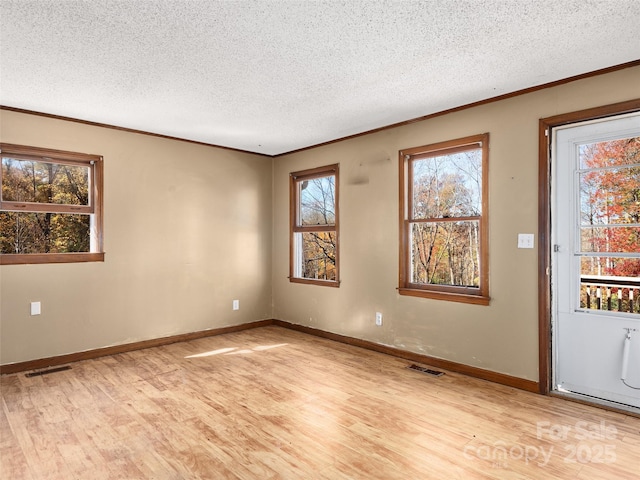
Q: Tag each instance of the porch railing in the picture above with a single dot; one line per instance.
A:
(619, 294)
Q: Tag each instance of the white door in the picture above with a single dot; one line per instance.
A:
(596, 260)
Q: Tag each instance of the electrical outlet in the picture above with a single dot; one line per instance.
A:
(378, 319)
(35, 308)
(236, 304)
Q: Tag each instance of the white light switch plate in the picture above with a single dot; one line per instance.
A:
(35, 308)
(525, 240)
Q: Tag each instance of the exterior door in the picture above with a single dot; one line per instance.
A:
(595, 270)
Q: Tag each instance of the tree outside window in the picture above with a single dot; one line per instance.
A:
(50, 206)
(609, 181)
(444, 220)
(314, 226)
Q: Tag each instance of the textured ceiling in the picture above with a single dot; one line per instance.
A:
(275, 76)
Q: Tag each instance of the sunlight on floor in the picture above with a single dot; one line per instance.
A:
(236, 351)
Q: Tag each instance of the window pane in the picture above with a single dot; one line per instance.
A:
(615, 239)
(317, 255)
(42, 182)
(610, 154)
(317, 201)
(610, 284)
(446, 253)
(44, 233)
(610, 196)
(610, 267)
(448, 186)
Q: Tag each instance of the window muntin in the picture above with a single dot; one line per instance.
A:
(50, 206)
(314, 252)
(443, 224)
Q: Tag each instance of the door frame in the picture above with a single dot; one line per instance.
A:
(544, 223)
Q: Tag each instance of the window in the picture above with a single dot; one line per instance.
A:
(50, 206)
(314, 226)
(443, 220)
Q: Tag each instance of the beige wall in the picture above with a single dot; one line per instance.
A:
(501, 337)
(187, 229)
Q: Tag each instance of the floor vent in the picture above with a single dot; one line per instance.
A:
(426, 370)
(46, 372)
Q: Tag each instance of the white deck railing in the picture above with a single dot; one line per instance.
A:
(620, 294)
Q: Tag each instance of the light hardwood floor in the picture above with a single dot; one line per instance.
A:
(274, 403)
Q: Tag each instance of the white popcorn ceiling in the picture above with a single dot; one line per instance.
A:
(275, 76)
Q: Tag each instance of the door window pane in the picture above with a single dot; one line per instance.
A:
(613, 153)
(609, 283)
(610, 267)
(610, 196)
(614, 239)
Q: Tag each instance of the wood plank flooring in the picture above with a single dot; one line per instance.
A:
(272, 403)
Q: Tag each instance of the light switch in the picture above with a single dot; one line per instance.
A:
(525, 240)
(35, 308)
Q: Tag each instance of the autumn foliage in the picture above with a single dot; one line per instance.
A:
(36, 183)
(317, 247)
(610, 206)
(446, 210)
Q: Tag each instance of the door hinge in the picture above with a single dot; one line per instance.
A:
(556, 248)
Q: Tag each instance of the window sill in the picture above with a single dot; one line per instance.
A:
(450, 296)
(40, 258)
(311, 281)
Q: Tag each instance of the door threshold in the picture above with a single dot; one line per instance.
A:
(596, 402)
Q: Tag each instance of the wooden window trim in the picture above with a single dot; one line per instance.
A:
(95, 207)
(294, 178)
(37, 258)
(479, 296)
(10, 206)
